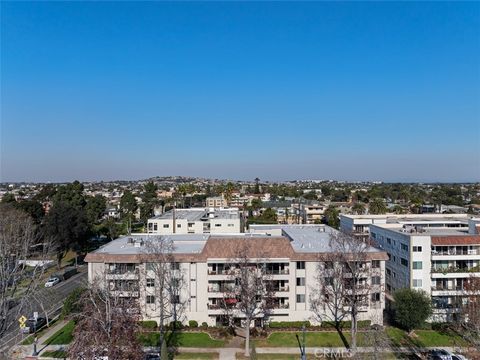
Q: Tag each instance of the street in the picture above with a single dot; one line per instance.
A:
(51, 299)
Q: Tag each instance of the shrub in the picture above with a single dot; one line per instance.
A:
(148, 324)
(193, 323)
(175, 325)
(288, 324)
(204, 325)
(361, 324)
(71, 305)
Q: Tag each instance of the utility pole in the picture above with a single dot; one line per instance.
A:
(303, 354)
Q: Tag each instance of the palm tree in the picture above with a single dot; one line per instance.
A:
(358, 208)
(377, 206)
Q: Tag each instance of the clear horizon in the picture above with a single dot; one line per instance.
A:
(384, 91)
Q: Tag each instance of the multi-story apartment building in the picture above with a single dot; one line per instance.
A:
(359, 225)
(436, 256)
(311, 213)
(196, 221)
(290, 256)
(216, 202)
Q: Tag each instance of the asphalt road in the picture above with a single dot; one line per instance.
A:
(51, 299)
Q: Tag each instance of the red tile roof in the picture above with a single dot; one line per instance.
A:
(456, 240)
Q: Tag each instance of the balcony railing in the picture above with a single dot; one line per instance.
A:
(447, 288)
(281, 288)
(453, 269)
(122, 271)
(277, 271)
(220, 289)
(281, 306)
(457, 252)
(221, 272)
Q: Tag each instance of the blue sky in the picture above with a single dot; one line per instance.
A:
(349, 91)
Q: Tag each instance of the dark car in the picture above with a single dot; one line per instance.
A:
(32, 326)
(439, 354)
(152, 356)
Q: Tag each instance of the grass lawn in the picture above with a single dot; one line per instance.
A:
(30, 338)
(424, 338)
(187, 339)
(63, 336)
(312, 339)
(196, 356)
(59, 354)
(386, 356)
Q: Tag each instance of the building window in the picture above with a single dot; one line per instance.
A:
(389, 272)
(375, 280)
(179, 225)
(166, 226)
(375, 264)
(155, 227)
(300, 281)
(218, 225)
(417, 249)
(230, 225)
(328, 265)
(175, 266)
(175, 299)
(301, 265)
(404, 247)
(300, 298)
(375, 297)
(191, 224)
(150, 267)
(417, 265)
(150, 299)
(404, 262)
(389, 241)
(150, 282)
(193, 297)
(417, 282)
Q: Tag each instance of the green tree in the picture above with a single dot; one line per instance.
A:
(332, 217)
(257, 186)
(149, 201)
(71, 194)
(377, 206)
(412, 308)
(33, 208)
(8, 198)
(128, 206)
(95, 208)
(68, 229)
(358, 208)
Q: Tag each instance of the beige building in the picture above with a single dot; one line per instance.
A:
(291, 256)
(216, 202)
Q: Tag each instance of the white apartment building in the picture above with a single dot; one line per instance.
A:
(291, 256)
(359, 225)
(196, 221)
(436, 256)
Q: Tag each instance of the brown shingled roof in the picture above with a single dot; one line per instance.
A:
(456, 240)
(257, 247)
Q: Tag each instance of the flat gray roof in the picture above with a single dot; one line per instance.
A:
(197, 214)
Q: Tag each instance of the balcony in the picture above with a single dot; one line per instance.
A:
(121, 274)
(221, 272)
(277, 271)
(281, 288)
(220, 289)
(454, 269)
(281, 306)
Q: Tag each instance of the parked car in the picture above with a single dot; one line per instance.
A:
(152, 356)
(439, 354)
(458, 357)
(52, 281)
(32, 325)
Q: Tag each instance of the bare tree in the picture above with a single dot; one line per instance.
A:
(18, 281)
(470, 311)
(343, 284)
(167, 278)
(106, 326)
(251, 294)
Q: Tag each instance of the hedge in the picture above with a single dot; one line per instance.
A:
(148, 324)
(288, 324)
(361, 324)
(193, 323)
